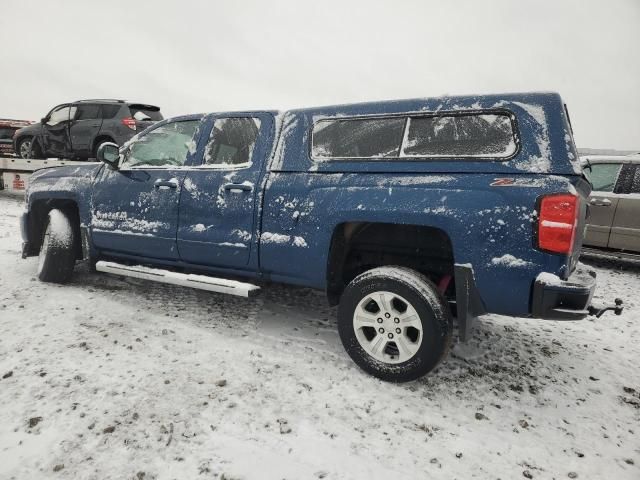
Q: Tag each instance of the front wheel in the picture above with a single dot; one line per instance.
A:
(29, 148)
(57, 252)
(394, 324)
(24, 148)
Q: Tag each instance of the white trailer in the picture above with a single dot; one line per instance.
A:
(15, 172)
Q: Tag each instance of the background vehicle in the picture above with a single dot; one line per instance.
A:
(7, 129)
(76, 130)
(613, 226)
(404, 212)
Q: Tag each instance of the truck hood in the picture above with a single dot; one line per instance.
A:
(70, 182)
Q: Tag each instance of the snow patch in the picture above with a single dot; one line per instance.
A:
(299, 242)
(268, 237)
(509, 260)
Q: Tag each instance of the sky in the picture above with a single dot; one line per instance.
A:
(205, 56)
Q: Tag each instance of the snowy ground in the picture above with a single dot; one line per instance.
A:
(112, 378)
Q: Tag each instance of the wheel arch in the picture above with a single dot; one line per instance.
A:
(40, 208)
(358, 246)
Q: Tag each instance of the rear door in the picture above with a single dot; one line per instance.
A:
(135, 208)
(218, 202)
(602, 202)
(84, 127)
(56, 131)
(625, 229)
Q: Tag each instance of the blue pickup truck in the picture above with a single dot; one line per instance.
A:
(406, 213)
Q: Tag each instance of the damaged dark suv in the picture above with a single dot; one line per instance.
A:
(76, 130)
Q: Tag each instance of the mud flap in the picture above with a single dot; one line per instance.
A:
(468, 302)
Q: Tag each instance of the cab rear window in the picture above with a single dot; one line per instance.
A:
(474, 135)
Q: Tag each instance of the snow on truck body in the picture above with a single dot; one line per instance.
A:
(481, 195)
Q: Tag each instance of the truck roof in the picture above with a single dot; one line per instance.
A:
(444, 102)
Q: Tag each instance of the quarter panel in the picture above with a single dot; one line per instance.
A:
(491, 228)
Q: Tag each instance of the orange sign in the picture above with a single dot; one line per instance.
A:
(18, 183)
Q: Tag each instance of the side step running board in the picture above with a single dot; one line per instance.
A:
(202, 282)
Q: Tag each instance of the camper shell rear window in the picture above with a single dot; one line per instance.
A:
(487, 134)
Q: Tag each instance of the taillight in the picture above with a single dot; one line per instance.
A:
(557, 222)
(129, 122)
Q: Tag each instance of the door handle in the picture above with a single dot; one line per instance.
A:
(164, 184)
(600, 202)
(238, 187)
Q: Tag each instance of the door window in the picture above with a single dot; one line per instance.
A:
(635, 181)
(109, 111)
(61, 114)
(165, 146)
(87, 112)
(232, 141)
(603, 176)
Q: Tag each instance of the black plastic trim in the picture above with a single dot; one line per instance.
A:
(564, 299)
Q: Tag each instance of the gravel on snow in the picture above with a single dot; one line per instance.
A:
(118, 378)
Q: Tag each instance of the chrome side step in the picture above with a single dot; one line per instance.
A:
(202, 282)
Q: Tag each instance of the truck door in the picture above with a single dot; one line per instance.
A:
(602, 202)
(135, 208)
(84, 127)
(56, 131)
(625, 229)
(218, 202)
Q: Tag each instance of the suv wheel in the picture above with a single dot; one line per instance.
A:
(28, 149)
(394, 324)
(24, 147)
(57, 253)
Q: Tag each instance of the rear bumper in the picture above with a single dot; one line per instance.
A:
(557, 299)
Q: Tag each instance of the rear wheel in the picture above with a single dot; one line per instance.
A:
(394, 324)
(57, 253)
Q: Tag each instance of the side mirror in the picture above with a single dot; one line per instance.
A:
(109, 153)
(43, 120)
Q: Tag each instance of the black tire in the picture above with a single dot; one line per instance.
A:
(405, 286)
(57, 253)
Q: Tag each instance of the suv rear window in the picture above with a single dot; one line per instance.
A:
(147, 110)
(475, 135)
